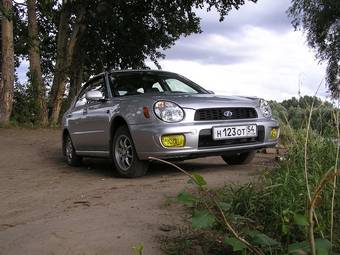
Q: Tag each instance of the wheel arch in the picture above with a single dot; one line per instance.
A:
(115, 124)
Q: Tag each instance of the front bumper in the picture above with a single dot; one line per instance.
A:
(147, 138)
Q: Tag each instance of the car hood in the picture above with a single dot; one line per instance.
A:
(199, 101)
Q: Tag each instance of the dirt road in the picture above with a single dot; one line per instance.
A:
(47, 207)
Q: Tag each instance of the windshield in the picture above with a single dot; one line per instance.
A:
(124, 84)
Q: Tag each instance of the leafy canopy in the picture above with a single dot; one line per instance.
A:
(320, 20)
(118, 34)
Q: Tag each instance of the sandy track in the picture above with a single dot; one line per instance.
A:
(47, 207)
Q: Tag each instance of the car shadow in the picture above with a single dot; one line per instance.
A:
(105, 168)
(190, 166)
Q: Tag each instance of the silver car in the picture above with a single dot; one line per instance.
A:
(132, 115)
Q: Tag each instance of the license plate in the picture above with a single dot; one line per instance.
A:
(221, 133)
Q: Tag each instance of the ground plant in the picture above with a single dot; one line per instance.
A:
(292, 209)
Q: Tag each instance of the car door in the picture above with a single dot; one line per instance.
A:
(96, 124)
(76, 117)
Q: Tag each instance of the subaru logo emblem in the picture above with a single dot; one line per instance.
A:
(228, 114)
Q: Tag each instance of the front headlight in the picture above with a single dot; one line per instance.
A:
(265, 109)
(168, 111)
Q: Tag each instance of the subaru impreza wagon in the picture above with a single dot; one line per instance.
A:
(132, 115)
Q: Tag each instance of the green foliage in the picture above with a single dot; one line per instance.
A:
(23, 112)
(323, 247)
(295, 113)
(300, 219)
(261, 238)
(319, 19)
(278, 207)
(187, 198)
(199, 180)
(202, 219)
(235, 244)
(138, 249)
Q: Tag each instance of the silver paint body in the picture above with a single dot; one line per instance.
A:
(90, 126)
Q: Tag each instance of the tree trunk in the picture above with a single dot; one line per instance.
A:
(59, 78)
(35, 66)
(7, 60)
(76, 79)
(65, 53)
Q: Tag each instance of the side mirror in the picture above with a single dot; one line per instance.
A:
(94, 95)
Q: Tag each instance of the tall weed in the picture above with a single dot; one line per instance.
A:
(279, 204)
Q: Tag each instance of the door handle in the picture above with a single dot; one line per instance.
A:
(85, 111)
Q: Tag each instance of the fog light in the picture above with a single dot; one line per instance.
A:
(173, 140)
(274, 133)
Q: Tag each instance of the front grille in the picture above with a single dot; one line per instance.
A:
(225, 113)
(206, 140)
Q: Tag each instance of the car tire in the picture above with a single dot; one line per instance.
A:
(124, 155)
(71, 157)
(239, 158)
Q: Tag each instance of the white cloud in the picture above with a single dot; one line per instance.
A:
(256, 59)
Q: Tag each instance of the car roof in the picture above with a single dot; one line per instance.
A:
(128, 71)
(146, 71)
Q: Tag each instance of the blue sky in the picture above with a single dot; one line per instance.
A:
(253, 52)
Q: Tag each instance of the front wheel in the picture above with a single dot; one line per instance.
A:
(124, 155)
(239, 158)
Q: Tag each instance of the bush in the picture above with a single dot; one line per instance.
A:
(23, 105)
(279, 204)
(295, 113)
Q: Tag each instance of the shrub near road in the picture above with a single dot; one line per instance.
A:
(279, 207)
(272, 216)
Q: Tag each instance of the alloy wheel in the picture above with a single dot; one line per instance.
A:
(124, 152)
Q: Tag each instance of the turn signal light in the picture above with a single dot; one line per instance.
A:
(146, 112)
(274, 133)
(172, 141)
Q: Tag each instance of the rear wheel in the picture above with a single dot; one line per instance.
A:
(69, 152)
(124, 155)
(239, 158)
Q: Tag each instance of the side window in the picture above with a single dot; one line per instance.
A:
(127, 85)
(156, 86)
(134, 84)
(98, 85)
(140, 90)
(81, 99)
